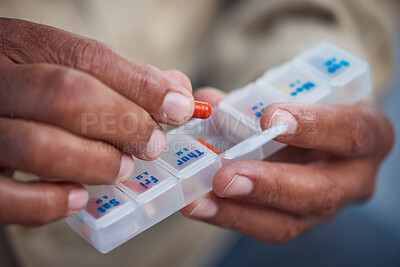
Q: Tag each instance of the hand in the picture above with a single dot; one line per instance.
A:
(73, 109)
(332, 160)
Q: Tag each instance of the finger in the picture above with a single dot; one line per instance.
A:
(264, 223)
(302, 189)
(6, 172)
(292, 154)
(344, 130)
(38, 203)
(167, 101)
(80, 104)
(52, 153)
(210, 95)
(179, 78)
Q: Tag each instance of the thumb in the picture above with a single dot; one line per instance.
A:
(179, 78)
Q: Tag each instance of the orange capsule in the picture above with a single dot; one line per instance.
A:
(202, 110)
(213, 149)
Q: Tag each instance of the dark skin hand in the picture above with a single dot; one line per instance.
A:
(72, 110)
(332, 159)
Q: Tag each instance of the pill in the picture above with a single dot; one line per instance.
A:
(213, 149)
(202, 110)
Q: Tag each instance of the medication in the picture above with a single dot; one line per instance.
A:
(197, 150)
(202, 110)
(213, 149)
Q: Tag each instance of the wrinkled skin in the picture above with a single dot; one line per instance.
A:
(62, 100)
(73, 109)
(332, 160)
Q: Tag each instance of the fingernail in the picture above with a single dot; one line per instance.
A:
(126, 168)
(281, 117)
(77, 200)
(205, 208)
(177, 107)
(156, 145)
(238, 186)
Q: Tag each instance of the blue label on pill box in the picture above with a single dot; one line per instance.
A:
(331, 65)
(143, 179)
(297, 87)
(99, 206)
(187, 154)
(182, 152)
(257, 109)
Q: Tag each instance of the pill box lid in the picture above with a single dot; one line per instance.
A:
(254, 142)
(324, 49)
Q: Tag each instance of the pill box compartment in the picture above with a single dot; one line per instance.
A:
(196, 150)
(290, 83)
(216, 132)
(243, 109)
(190, 161)
(286, 83)
(109, 219)
(348, 75)
(158, 192)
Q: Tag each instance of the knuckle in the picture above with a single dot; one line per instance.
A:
(376, 123)
(64, 79)
(390, 137)
(182, 78)
(312, 141)
(309, 124)
(145, 77)
(237, 221)
(275, 187)
(275, 191)
(384, 127)
(65, 94)
(45, 211)
(358, 138)
(3, 26)
(82, 53)
(289, 232)
(8, 31)
(35, 146)
(369, 187)
(7, 25)
(368, 192)
(330, 197)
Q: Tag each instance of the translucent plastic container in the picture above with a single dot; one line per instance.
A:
(348, 75)
(198, 149)
(245, 107)
(291, 83)
(158, 192)
(192, 162)
(109, 219)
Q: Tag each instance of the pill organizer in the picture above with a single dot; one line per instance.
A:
(195, 151)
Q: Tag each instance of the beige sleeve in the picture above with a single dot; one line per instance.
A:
(256, 35)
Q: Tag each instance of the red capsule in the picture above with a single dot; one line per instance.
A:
(202, 110)
(213, 149)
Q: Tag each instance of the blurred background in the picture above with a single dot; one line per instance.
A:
(226, 44)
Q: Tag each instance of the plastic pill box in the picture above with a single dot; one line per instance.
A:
(196, 150)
